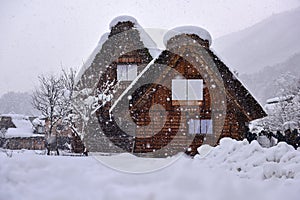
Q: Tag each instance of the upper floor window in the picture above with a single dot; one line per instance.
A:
(126, 72)
(187, 89)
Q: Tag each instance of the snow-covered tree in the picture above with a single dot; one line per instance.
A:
(88, 100)
(83, 104)
(288, 105)
(47, 98)
(68, 85)
(53, 98)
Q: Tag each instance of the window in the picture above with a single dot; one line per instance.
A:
(187, 89)
(203, 126)
(126, 72)
(40, 129)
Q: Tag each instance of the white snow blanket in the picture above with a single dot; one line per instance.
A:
(233, 170)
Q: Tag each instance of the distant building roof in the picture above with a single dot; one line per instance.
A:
(19, 125)
(280, 99)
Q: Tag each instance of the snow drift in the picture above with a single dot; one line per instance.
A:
(252, 161)
(232, 170)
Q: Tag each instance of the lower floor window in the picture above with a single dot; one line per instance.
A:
(200, 126)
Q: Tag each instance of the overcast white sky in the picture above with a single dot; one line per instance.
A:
(40, 36)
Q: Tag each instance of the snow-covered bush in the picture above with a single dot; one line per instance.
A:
(284, 108)
(251, 160)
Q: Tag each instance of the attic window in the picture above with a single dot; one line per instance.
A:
(126, 72)
(187, 89)
(200, 126)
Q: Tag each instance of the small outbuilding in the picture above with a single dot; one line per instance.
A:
(17, 133)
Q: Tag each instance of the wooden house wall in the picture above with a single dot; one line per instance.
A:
(39, 143)
(133, 58)
(100, 138)
(152, 134)
(30, 143)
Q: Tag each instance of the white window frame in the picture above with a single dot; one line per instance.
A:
(40, 129)
(126, 72)
(200, 126)
(187, 89)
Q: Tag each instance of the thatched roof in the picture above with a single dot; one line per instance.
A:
(124, 39)
(6, 122)
(177, 47)
(126, 43)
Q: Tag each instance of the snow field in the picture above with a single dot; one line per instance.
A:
(27, 175)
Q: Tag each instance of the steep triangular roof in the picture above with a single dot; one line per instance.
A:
(125, 39)
(17, 125)
(113, 45)
(234, 89)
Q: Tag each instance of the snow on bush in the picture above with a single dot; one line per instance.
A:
(252, 161)
(38, 122)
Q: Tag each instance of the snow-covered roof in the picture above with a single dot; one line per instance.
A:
(251, 108)
(145, 38)
(122, 18)
(290, 125)
(148, 42)
(16, 118)
(270, 108)
(23, 126)
(91, 58)
(38, 122)
(202, 33)
(279, 99)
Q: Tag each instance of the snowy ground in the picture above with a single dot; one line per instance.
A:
(233, 170)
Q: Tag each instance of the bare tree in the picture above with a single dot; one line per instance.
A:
(53, 98)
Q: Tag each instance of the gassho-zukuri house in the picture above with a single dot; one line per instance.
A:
(159, 102)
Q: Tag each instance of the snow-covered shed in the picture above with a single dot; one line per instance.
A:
(17, 133)
(6, 123)
(274, 103)
(16, 125)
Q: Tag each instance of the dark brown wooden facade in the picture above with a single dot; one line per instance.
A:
(6, 122)
(123, 46)
(170, 135)
(154, 124)
(30, 143)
